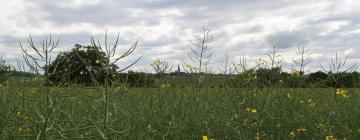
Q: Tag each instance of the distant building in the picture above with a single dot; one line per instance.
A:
(178, 72)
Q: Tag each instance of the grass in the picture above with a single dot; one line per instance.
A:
(180, 113)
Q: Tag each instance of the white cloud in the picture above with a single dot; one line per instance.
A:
(349, 51)
(164, 27)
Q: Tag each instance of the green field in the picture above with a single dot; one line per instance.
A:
(77, 112)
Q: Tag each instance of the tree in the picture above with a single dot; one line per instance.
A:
(342, 79)
(200, 50)
(69, 68)
(317, 76)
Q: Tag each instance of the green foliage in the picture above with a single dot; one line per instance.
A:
(253, 104)
(145, 113)
(317, 76)
(246, 79)
(268, 77)
(316, 79)
(136, 79)
(5, 71)
(295, 82)
(342, 79)
(81, 65)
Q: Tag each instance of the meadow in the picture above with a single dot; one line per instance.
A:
(171, 112)
(84, 94)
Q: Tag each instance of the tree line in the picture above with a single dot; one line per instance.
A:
(94, 64)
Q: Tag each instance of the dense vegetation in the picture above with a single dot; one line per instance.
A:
(83, 94)
(317, 79)
(79, 66)
(182, 113)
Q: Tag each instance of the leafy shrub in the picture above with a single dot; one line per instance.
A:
(342, 79)
(5, 71)
(268, 77)
(80, 65)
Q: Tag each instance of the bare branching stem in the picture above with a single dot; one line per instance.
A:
(200, 51)
(304, 59)
(39, 63)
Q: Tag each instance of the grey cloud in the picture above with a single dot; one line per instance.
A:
(114, 12)
(161, 41)
(192, 15)
(65, 39)
(253, 29)
(288, 39)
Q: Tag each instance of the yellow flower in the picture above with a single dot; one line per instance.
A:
(321, 126)
(170, 123)
(165, 85)
(292, 134)
(160, 66)
(238, 65)
(257, 136)
(311, 103)
(330, 137)
(342, 92)
(24, 129)
(205, 137)
(28, 119)
(301, 129)
(295, 74)
(188, 66)
(251, 110)
(157, 62)
(254, 78)
(289, 96)
(18, 114)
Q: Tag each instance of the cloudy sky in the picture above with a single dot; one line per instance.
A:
(164, 27)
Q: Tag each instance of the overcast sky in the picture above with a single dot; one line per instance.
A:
(163, 27)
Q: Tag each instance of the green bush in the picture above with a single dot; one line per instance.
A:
(5, 71)
(342, 79)
(80, 65)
